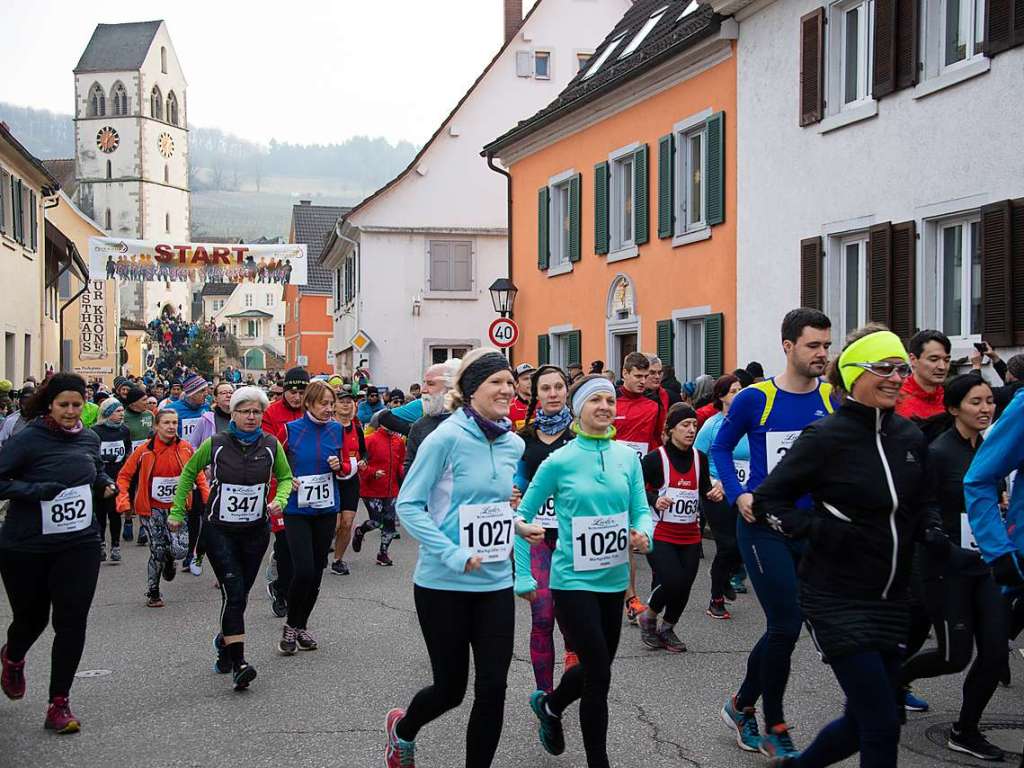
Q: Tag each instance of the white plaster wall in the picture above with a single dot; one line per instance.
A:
(961, 143)
(235, 303)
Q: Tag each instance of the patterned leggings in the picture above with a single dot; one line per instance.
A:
(383, 516)
(542, 632)
(159, 545)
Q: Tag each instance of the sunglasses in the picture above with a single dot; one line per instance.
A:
(883, 369)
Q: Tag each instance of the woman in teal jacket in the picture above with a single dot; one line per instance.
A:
(602, 511)
(455, 503)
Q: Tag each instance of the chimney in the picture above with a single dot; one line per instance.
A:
(513, 18)
(305, 202)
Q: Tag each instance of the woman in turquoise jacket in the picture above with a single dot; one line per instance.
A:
(455, 503)
(602, 512)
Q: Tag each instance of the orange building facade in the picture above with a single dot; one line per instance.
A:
(624, 202)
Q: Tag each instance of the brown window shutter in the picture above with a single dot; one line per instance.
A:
(996, 293)
(883, 65)
(1017, 265)
(880, 274)
(812, 67)
(903, 279)
(999, 26)
(1018, 22)
(907, 21)
(810, 273)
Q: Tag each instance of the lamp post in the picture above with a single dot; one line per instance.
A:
(503, 296)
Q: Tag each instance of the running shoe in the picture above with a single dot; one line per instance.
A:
(244, 675)
(305, 640)
(196, 566)
(972, 742)
(398, 753)
(717, 610)
(222, 664)
(142, 540)
(103, 552)
(271, 572)
(571, 660)
(357, 538)
(60, 718)
(912, 703)
(551, 736)
(396, 536)
(739, 584)
(384, 559)
(777, 743)
(634, 607)
(782, 762)
(280, 605)
(729, 594)
(153, 600)
(115, 554)
(12, 679)
(339, 568)
(744, 723)
(169, 569)
(126, 531)
(649, 631)
(670, 641)
(185, 564)
(287, 644)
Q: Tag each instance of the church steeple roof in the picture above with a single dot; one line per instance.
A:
(118, 47)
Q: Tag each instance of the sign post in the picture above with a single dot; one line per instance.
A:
(503, 333)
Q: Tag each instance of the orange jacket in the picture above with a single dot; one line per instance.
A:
(154, 458)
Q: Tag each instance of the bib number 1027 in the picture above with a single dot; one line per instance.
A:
(486, 530)
(485, 534)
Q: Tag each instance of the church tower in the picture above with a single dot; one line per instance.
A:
(131, 148)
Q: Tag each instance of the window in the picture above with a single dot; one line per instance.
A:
(110, 170)
(850, 279)
(172, 108)
(156, 104)
(442, 354)
(167, 222)
(605, 55)
(851, 39)
(97, 101)
(564, 347)
(280, 329)
(163, 59)
(561, 216)
(296, 313)
(693, 6)
(218, 305)
(963, 30)
(959, 262)
(691, 335)
(167, 174)
(106, 220)
(582, 59)
(645, 30)
(9, 372)
(269, 300)
(27, 370)
(248, 299)
(252, 328)
(119, 99)
(4, 215)
(542, 65)
(692, 178)
(350, 279)
(339, 288)
(524, 63)
(451, 265)
(623, 210)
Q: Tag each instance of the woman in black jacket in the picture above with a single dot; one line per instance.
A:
(115, 446)
(962, 599)
(864, 467)
(49, 543)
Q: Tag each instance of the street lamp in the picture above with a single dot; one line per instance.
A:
(503, 296)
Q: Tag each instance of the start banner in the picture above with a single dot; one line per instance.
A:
(157, 261)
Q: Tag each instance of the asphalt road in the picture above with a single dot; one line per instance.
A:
(154, 700)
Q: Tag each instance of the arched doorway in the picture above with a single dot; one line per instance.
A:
(255, 360)
(622, 323)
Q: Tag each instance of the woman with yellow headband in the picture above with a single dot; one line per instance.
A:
(864, 467)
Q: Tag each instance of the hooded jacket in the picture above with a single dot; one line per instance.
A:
(208, 427)
(189, 416)
(154, 458)
(385, 451)
(115, 446)
(916, 403)
(638, 419)
(277, 415)
(308, 445)
(140, 425)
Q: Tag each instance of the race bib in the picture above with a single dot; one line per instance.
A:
(241, 503)
(685, 506)
(599, 542)
(545, 516)
(137, 443)
(486, 530)
(71, 511)
(776, 445)
(742, 471)
(316, 491)
(966, 534)
(112, 451)
(163, 489)
(189, 426)
(641, 448)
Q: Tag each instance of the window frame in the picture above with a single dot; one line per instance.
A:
(964, 220)
(582, 59)
(681, 345)
(836, 58)
(835, 293)
(559, 261)
(469, 293)
(156, 103)
(975, 48)
(618, 214)
(609, 50)
(644, 32)
(248, 301)
(682, 132)
(546, 55)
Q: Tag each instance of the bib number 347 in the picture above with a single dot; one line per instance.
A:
(70, 511)
(486, 530)
(599, 542)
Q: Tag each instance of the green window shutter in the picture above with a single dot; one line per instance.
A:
(666, 186)
(575, 346)
(34, 222)
(666, 341)
(543, 228)
(574, 217)
(714, 345)
(543, 349)
(19, 213)
(714, 187)
(601, 208)
(641, 214)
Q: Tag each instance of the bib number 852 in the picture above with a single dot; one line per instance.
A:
(599, 543)
(63, 512)
(488, 533)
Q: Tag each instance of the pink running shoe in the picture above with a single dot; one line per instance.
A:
(60, 718)
(398, 753)
(12, 679)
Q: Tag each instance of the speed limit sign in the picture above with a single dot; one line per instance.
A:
(503, 332)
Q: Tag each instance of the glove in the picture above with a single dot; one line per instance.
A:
(936, 543)
(1009, 570)
(48, 491)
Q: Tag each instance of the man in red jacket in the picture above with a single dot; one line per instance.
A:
(921, 396)
(521, 402)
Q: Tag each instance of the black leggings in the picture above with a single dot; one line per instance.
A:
(235, 555)
(36, 580)
(196, 544)
(453, 623)
(309, 539)
(966, 610)
(594, 621)
(283, 556)
(106, 513)
(675, 568)
(721, 516)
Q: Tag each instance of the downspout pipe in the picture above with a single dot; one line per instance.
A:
(508, 196)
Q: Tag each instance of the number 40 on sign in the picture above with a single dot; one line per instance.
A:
(503, 332)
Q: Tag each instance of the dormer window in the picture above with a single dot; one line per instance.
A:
(605, 55)
(645, 30)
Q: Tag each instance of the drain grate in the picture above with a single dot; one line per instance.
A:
(93, 673)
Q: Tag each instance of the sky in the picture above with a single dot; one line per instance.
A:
(301, 71)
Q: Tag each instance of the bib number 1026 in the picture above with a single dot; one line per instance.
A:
(599, 542)
(602, 542)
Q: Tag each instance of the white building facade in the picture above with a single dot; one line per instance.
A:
(879, 155)
(413, 262)
(254, 313)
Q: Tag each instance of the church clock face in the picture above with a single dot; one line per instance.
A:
(107, 140)
(166, 145)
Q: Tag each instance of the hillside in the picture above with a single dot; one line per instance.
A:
(240, 188)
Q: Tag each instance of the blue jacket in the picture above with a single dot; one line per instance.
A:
(456, 465)
(188, 416)
(308, 446)
(365, 411)
(410, 412)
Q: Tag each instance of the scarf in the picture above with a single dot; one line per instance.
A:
(315, 420)
(492, 429)
(50, 422)
(578, 430)
(246, 438)
(553, 424)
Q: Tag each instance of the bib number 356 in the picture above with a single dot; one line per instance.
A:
(486, 530)
(599, 542)
(70, 511)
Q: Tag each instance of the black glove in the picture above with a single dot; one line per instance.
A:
(48, 491)
(936, 543)
(1009, 570)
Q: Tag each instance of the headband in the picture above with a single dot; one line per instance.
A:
(872, 348)
(678, 413)
(479, 371)
(587, 390)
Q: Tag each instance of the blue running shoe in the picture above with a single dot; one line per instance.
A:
(912, 703)
(738, 584)
(744, 723)
(776, 744)
(551, 736)
(222, 664)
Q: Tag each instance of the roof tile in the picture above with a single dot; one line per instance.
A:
(313, 224)
(118, 47)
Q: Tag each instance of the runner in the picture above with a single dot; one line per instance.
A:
(720, 514)
(217, 418)
(378, 486)
(433, 398)
(653, 386)
(677, 479)
(354, 460)
(155, 467)
(17, 421)
(962, 598)
(49, 558)
(524, 385)
(549, 423)
(191, 407)
(772, 414)
(921, 397)
(115, 447)
(370, 404)
(599, 500)
(865, 468)
(463, 579)
(401, 419)
(313, 445)
(243, 460)
(139, 420)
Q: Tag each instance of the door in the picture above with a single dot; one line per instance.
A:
(626, 343)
